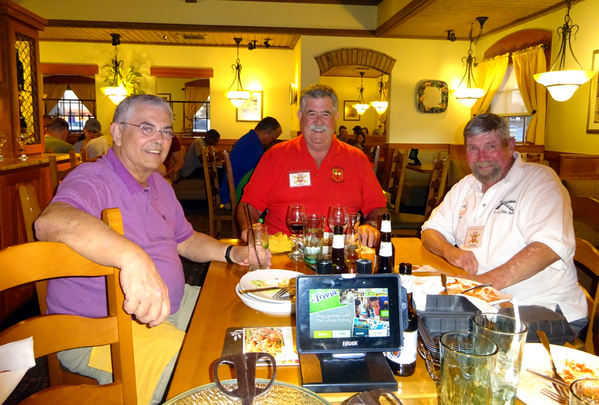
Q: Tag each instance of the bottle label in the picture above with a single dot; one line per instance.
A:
(386, 249)
(338, 242)
(406, 282)
(409, 351)
(386, 226)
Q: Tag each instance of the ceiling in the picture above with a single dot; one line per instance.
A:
(424, 19)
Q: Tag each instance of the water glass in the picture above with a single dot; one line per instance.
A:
(501, 329)
(467, 367)
(584, 392)
(257, 246)
(313, 237)
(352, 239)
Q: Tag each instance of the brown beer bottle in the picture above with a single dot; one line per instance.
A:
(338, 252)
(403, 363)
(386, 253)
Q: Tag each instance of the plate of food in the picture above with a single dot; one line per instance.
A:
(455, 286)
(571, 364)
(282, 307)
(267, 278)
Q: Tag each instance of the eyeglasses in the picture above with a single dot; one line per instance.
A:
(150, 130)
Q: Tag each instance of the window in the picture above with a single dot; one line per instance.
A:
(201, 120)
(72, 110)
(508, 104)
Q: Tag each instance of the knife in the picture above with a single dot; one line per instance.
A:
(444, 282)
(260, 289)
(477, 286)
(554, 380)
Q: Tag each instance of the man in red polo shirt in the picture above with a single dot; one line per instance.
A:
(314, 169)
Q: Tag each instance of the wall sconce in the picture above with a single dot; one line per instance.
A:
(237, 96)
(116, 91)
(563, 83)
(468, 94)
(380, 105)
(252, 45)
(361, 106)
(451, 35)
(266, 44)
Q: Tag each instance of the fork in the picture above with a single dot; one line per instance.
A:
(279, 295)
(557, 397)
(559, 388)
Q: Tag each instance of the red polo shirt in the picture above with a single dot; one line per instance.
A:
(288, 174)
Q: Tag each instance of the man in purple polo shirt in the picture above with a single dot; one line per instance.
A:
(156, 231)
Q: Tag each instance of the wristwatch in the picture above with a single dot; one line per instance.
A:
(227, 253)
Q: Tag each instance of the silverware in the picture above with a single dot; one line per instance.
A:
(546, 377)
(444, 282)
(558, 387)
(259, 289)
(560, 399)
(281, 294)
(477, 286)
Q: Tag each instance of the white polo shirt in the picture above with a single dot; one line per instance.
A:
(529, 205)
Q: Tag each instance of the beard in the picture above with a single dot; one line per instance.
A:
(486, 178)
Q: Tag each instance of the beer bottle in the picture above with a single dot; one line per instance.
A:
(386, 254)
(403, 363)
(338, 250)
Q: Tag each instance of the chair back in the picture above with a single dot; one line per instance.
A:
(231, 185)
(216, 212)
(396, 178)
(436, 190)
(30, 208)
(586, 259)
(36, 261)
(57, 174)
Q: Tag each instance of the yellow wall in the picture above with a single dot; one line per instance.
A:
(567, 121)
(268, 70)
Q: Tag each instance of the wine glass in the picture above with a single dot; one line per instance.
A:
(337, 216)
(22, 140)
(2, 142)
(295, 216)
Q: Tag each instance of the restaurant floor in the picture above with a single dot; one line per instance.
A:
(36, 378)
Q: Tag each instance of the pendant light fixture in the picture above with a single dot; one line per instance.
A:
(380, 105)
(116, 91)
(237, 96)
(467, 93)
(563, 83)
(361, 106)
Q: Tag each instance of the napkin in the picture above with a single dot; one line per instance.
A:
(15, 359)
(279, 243)
(153, 349)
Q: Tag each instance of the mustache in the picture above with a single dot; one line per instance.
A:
(315, 127)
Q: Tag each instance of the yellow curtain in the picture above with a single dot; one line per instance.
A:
(87, 94)
(489, 76)
(527, 63)
(194, 100)
(55, 92)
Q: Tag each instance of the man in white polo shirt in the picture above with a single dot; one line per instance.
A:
(509, 223)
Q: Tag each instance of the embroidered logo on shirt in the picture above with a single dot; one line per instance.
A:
(464, 208)
(509, 208)
(337, 174)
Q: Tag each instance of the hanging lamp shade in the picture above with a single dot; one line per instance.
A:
(467, 92)
(116, 94)
(237, 96)
(361, 106)
(468, 95)
(380, 105)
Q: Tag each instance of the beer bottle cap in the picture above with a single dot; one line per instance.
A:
(364, 266)
(324, 266)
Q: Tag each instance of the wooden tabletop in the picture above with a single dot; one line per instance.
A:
(219, 308)
(425, 168)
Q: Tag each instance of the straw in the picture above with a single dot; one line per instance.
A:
(253, 235)
(516, 314)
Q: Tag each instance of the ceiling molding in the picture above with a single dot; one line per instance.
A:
(68, 69)
(186, 73)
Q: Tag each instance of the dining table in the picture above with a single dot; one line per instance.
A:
(424, 168)
(219, 308)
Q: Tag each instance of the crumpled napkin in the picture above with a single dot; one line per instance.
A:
(280, 243)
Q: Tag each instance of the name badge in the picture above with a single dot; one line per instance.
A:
(474, 236)
(299, 179)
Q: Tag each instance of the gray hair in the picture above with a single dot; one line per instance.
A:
(123, 111)
(483, 123)
(318, 91)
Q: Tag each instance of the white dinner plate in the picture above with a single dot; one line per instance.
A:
(279, 308)
(268, 277)
(536, 358)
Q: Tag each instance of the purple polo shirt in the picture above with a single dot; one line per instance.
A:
(152, 218)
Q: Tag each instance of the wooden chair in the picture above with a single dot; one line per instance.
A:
(403, 224)
(586, 219)
(30, 208)
(36, 261)
(377, 156)
(586, 260)
(84, 158)
(216, 211)
(396, 179)
(57, 175)
(231, 185)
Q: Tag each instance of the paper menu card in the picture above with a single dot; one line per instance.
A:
(15, 359)
(277, 341)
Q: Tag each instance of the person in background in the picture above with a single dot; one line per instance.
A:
(509, 223)
(342, 136)
(357, 130)
(360, 141)
(248, 150)
(174, 160)
(47, 119)
(365, 132)
(156, 233)
(94, 142)
(315, 169)
(192, 161)
(56, 136)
